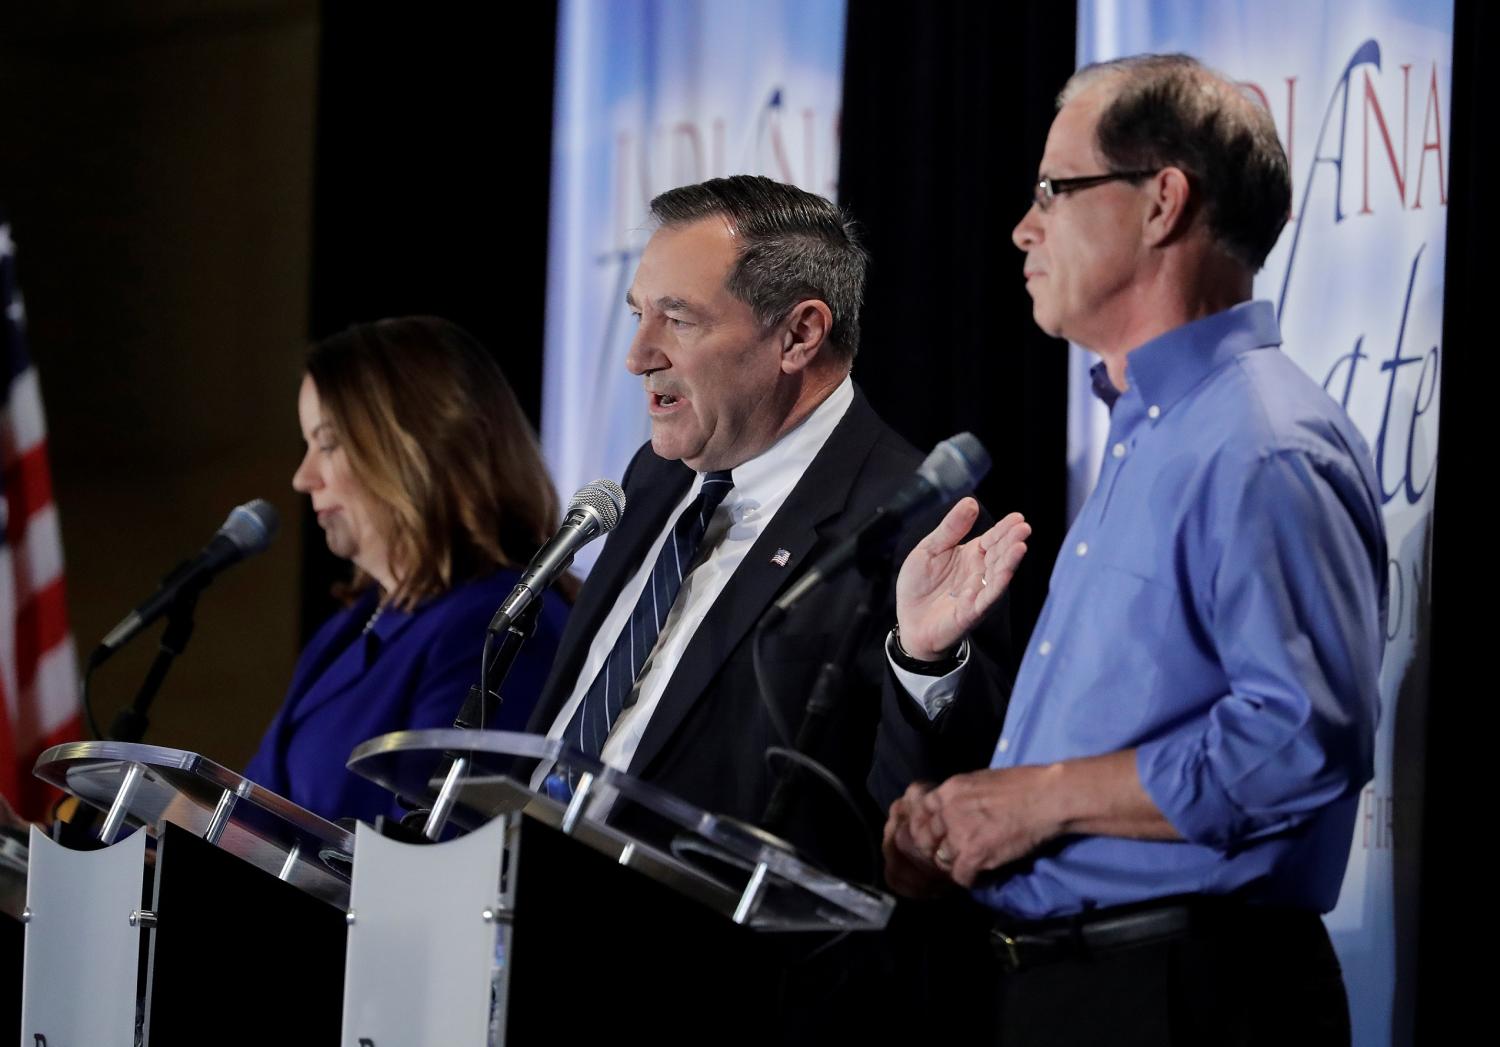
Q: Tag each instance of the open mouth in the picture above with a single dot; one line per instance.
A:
(662, 402)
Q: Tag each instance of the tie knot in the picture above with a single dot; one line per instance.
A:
(716, 486)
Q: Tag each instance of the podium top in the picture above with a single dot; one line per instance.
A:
(148, 785)
(746, 873)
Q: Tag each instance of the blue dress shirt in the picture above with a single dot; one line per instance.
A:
(1219, 606)
(412, 670)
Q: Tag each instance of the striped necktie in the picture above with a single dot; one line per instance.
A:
(611, 690)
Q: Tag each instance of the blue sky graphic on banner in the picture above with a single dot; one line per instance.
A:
(652, 95)
(1360, 91)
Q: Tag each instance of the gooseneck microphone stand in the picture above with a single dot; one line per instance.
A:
(480, 708)
(130, 724)
(484, 701)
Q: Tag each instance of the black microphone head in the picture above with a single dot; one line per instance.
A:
(955, 466)
(250, 527)
(606, 501)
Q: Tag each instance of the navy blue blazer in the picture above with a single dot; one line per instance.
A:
(411, 671)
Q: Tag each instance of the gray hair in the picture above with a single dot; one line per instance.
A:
(793, 245)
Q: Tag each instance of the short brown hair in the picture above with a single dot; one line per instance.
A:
(433, 431)
(1172, 111)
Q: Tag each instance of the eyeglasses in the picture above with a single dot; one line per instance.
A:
(1048, 189)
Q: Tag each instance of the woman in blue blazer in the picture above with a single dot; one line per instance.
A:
(424, 473)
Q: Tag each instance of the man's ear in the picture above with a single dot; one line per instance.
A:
(1172, 204)
(805, 334)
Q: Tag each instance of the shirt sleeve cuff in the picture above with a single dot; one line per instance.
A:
(1175, 773)
(932, 693)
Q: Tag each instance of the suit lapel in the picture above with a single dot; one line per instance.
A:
(800, 527)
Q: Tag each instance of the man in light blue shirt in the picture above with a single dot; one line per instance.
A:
(1171, 800)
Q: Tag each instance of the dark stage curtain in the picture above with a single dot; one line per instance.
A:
(1451, 821)
(432, 173)
(946, 109)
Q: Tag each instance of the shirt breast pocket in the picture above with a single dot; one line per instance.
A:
(1132, 623)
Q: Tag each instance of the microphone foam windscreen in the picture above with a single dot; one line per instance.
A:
(956, 466)
(251, 526)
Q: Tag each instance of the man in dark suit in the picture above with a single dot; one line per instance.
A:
(762, 455)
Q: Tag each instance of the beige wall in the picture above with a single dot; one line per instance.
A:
(156, 163)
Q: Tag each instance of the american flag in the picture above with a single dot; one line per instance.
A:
(38, 667)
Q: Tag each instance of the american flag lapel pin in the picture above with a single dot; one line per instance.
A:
(782, 557)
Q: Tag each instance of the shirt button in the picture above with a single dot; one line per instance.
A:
(1004, 744)
(1083, 549)
(1153, 411)
(1118, 451)
(1046, 648)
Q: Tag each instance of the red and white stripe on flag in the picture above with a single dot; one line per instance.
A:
(38, 665)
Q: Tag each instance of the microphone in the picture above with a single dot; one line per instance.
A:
(952, 470)
(595, 510)
(248, 529)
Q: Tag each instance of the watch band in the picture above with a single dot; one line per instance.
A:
(942, 667)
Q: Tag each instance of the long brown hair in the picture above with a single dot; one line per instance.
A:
(433, 432)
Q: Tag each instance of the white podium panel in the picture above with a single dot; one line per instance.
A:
(422, 939)
(82, 943)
